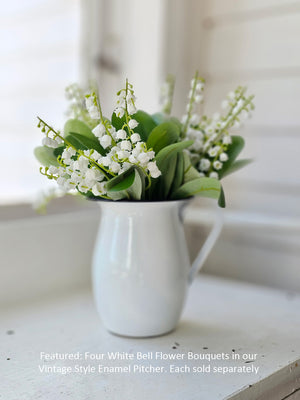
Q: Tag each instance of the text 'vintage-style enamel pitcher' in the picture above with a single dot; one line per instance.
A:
(141, 267)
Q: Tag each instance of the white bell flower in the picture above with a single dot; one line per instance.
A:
(131, 108)
(95, 155)
(136, 151)
(135, 137)
(132, 124)
(81, 164)
(115, 167)
(223, 157)
(105, 141)
(155, 173)
(198, 98)
(214, 175)
(204, 164)
(227, 139)
(49, 142)
(106, 161)
(126, 145)
(133, 159)
(213, 151)
(123, 154)
(98, 189)
(119, 111)
(217, 165)
(94, 112)
(199, 86)
(121, 134)
(83, 187)
(153, 169)
(99, 130)
(53, 170)
(89, 102)
(90, 177)
(143, 158)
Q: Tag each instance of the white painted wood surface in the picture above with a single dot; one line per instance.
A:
(220, 316)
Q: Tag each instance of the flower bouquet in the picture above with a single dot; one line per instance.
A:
(135, 156)
(146, 167)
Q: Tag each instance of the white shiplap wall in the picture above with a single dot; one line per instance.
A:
(254, 43)
(40, 51)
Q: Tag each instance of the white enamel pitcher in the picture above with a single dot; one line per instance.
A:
(141, 267)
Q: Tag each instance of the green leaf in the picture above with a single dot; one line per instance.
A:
(163, 135)
(176, 122)
(146, 124)
(166, 179)
(179, 173)
(204, 187)
(159, 118)
(143, 181)
(237, 165)
(126, 185)
(221, 200)
(166, 161)
(233, 151)
(190, 171)
(117, 122)
(59, 150)
(136, 189)
(77, 126)
(46, 156)
(122, 181)
(170, 150)
(81, 142)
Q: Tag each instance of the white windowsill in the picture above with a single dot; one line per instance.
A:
(219, 316)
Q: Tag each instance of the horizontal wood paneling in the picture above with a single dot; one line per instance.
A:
(250, 8)
(276, 160)
(248, 196)
(261, 44)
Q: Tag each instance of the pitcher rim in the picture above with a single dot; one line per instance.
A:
(140, 201)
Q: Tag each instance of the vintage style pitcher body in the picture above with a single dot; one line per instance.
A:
(141, 267)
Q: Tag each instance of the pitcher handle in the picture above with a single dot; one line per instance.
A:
(207, 246)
